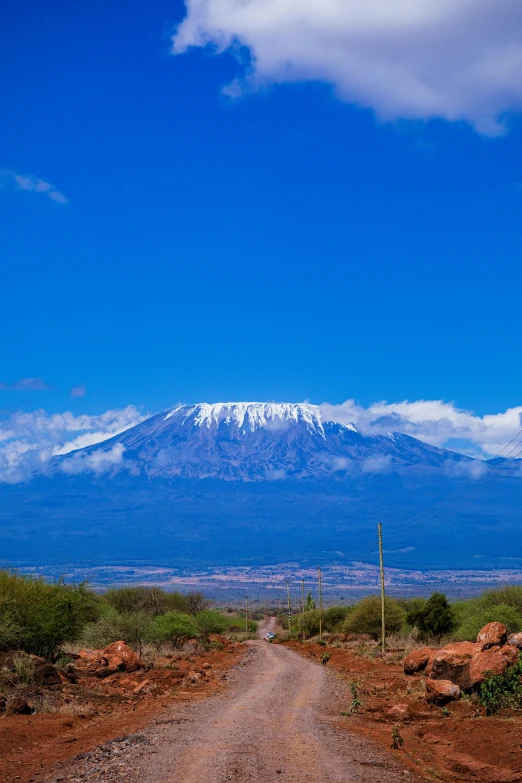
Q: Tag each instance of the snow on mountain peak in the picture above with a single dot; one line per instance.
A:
(251, 416)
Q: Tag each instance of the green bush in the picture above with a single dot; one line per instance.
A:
(237, 624)
(37, 617)
(507, 596)
(334, 617)
(473, 615)
(133, 628)
(366, 617)
(151, 600)
(209, 622)
(500, 691)
(432, 618)
(173, 627)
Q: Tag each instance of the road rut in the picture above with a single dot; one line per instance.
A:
(274, 723)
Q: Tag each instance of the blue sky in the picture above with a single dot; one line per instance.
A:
(284, 244)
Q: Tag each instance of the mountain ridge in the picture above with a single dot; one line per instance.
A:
(254, 442)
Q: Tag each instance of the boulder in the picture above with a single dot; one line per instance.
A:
(44, 673)
(119, 655)
(515, 640)
(417, 660)
(18, 706)
(495, 659)
(452, 663)
(441, 691)
(399, 712)
(492, 635)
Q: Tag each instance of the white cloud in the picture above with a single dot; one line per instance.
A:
(78, 391)
(25, 384)
(379, 463)
(29, 440)
(97, 462)
(28, 182)
(433, 421)
(414, 59)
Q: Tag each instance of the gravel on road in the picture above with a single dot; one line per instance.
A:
(275, 722)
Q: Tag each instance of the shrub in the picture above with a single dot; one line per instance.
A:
(237, 624)
(37, 617)
(474, 614)
(151, 600)
(333, 618)
(309, 603)
(309, 623)
(434, 617)
(173, 627)
(510, 595)
(366, 617)
(209, 622)
(133, 628)
(499, 691)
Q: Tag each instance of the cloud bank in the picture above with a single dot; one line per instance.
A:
(413, 59)
(436, 422)
(25, 384)
(29, 440)
(28, 182)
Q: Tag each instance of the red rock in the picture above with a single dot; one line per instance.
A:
(515, 640)
(491, 635)
(18, 706)
(130, 661)
(141, 686)
(452, 663)
(399, 712)
(510, 652)
(44, 673)
(441, 691)
(417, 660)
(496, 660)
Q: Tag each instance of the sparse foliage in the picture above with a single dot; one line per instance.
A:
(366, 617)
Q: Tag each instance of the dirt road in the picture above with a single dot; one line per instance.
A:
(275, 722)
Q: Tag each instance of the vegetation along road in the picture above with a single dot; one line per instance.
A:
(275, 722)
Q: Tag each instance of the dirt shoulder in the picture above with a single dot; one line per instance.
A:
(276, 721)
(460, 747)
(102, 710)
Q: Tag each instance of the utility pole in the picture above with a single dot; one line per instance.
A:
(246, 616)
(303, 607)
(381, 561)
(320, 604)
(289, 607)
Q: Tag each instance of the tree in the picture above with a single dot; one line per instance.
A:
(434, 618)
(196, 602)
(152, 600)
(366, 616)
(173, 627)
(309, 603)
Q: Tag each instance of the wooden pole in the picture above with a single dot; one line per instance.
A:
(246, 616)
(289, 607)
(303, 606)
(320, 604)
(381, 561)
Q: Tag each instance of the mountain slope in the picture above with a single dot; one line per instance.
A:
(255, 442)
(238, 483)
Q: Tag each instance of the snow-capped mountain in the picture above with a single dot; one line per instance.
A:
(235, 483)
(253, 441)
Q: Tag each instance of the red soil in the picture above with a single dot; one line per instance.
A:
(466, 746)
(105, 709)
